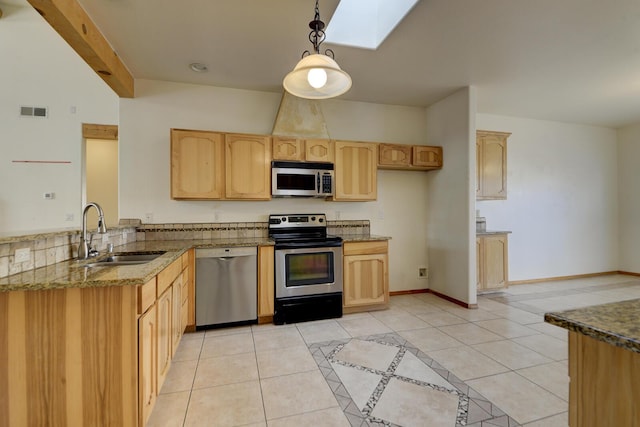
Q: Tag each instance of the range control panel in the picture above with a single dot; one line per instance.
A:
(297, 220)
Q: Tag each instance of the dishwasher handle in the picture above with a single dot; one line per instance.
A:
(226, 252)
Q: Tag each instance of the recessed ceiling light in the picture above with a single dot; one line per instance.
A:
(198, 67)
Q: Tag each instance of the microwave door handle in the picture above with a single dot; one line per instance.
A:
(318, 186)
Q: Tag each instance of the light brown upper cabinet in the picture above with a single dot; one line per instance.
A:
(356, 171)
(197, 164)
(310, 150)
(214, 165)
(491, 165)
(248, 167)
(409, 157)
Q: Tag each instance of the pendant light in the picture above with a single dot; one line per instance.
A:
(317, 75)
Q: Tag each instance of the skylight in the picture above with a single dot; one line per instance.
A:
(366, 23)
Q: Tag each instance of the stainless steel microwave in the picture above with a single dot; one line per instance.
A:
(301, 179)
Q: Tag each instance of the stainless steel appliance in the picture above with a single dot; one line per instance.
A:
(301, 179)
(226, 286)
(308, 268)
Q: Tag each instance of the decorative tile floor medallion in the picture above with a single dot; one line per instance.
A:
(383, 380)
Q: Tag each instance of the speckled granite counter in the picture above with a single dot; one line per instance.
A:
(491, 232)
(73, 273)
(616, 323)
(363, 238)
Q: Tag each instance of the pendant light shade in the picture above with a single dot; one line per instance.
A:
(306, 79)
(317, 75)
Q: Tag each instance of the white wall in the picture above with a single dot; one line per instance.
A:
(38, 68)
(562, 202)
(451, 223)
(629, 198)
(399, 212)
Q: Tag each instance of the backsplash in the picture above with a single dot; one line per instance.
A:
(51, 248)
(234, 230)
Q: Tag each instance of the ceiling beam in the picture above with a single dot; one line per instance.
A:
(70, 20)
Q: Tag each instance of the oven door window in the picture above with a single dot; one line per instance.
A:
(309, 268)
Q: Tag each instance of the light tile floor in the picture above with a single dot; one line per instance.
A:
(424, 361)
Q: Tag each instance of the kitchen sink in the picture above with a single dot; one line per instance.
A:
(125, 259)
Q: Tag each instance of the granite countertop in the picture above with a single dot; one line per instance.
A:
(73, 274)
(363, 238)
(616, 323)
(490, 232)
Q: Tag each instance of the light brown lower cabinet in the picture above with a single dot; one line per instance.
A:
(604, 388)
(92, 356)
(147, 375)
(365, 275)
(492, 265)
(266, 285)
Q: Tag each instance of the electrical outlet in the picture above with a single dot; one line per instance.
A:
(423, 273)
(68, 217)
(22, 255)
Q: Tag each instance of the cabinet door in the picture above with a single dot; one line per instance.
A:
(492, 165)
(285, 148)
(365, 280)
(318, 150)
(495, 261)
(427, 157)
(248, 167)
(147, 377)
(265, 281)
(395, 155)
(165, 310)
(197, 165)
(356, 171)
(176, 316)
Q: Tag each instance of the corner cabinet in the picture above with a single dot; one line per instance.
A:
(91, 356)
(409, 157)
(356, 171)
(220, 166)
(491, 165)
(365, 275)
(492, 271)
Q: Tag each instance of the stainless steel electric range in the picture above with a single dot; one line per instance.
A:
(308, 268)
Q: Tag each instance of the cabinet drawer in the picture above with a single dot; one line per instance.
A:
(146, 295)
(168, 275)
(365, 248)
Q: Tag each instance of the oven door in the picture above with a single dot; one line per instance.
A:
(308, 271)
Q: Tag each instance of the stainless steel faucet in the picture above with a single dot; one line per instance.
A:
(84, 249)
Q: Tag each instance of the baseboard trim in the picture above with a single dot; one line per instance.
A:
(574, 276)
(265, 319)
(436, 293)
(451, 299)
(629, 273)
(409, 292)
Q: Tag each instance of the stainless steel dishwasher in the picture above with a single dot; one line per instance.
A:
(226, 286)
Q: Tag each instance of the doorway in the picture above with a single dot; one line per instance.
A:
(101, 172)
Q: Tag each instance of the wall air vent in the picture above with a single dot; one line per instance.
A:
(33, 111)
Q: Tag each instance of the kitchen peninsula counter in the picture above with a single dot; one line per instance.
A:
(604, 363)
